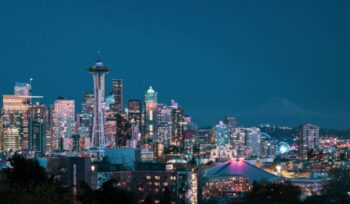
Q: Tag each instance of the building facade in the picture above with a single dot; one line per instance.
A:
(308, 139)
(63, 118)
(117, 88)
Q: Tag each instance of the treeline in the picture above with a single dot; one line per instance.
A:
(28, 182)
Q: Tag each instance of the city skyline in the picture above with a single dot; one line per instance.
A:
(174, 102)
(210, 60)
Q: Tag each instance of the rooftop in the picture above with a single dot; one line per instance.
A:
(235, 167)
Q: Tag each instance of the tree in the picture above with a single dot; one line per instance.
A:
(337, 189)
(166, 196)
(108, 193)
(25, 171)
(273, 193)
(27, 182)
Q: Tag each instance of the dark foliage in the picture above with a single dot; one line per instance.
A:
(108, 193)
(27, 182)
(273, 193)
(336, 190)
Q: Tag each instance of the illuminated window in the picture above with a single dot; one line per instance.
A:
(151, 115)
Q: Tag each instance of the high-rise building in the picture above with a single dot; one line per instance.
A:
(84, 129)
(222, 142)
(177, 125)
(253, 141)
(117, 87)
(98, 71)
(123, 133)
(1, 134)
(135, 113)
(308, 139)
(164, 125)
(63, 117)
(150, 115)
(88, 103)
(39, 114)
(15, 121)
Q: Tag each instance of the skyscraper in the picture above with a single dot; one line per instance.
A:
(308, 139)
(253, 141)
(117, 87)
(177, 125)
(85, 119)
(98, 71)
(123, 133)
(135, 113)
(39, 114)
(1, 133)
(63, 117)
(15, 118)
(88, 103)
(150, 114)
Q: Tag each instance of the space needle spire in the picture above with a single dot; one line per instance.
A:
(98, 71)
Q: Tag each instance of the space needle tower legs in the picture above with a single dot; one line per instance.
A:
(98, 71)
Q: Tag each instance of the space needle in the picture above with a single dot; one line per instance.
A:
(98, 71)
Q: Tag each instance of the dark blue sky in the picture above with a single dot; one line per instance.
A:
(282, 62)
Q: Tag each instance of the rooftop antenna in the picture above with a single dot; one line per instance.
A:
(99, 62)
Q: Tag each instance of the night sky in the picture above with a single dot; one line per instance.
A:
(278, 62)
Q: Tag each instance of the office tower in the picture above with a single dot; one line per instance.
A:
(123, 133)
(50, 140)
(15, 119)
(164, 134)
(117, 87)
(63, 117)
(308, 139)
(164, 125)
(84, 125)
(177, 125)
(76, 143)
(253, 141)
(88, 103)
(84, 130)
(39, 114)
(231, 122)
(135, 113)
(1, 133)
(135, 134)
(150, 115)
(110, 129)
(98, 71)
(85, 119)
(222, 141)
(238, 141)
